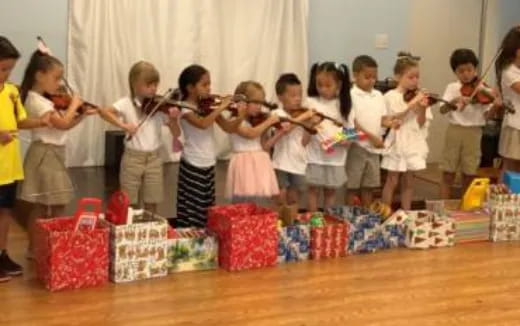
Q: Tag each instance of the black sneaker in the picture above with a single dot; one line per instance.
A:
(8, 266)
(4, 277)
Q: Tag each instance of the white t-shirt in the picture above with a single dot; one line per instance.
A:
(36, 106)
(289, 154)
(471, 116)
(242, 144)
(510, 76)
(368, 109)
(148, 137)
(410, 137)
(316, 155)
(199, 144)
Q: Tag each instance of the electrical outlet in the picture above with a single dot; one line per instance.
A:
(381, 41)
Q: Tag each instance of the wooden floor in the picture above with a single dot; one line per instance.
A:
(476, 284)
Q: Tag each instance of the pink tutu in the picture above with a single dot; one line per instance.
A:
(251, 174)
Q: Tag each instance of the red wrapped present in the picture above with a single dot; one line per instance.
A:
(329, 238)
(247, 236)
(72, 252)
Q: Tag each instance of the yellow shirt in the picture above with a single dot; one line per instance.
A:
(11, 111)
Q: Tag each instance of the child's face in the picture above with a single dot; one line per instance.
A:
(291, 98)
(366, 78)
(255, 95)
(466, 72)
(409, 79)
(202, 88)
(50, 80)
(6, 67)
(145, 89)
(327, 85)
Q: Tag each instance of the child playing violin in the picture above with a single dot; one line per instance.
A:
(290, 153)
(464, 133)
(47, 184)
(407, 148)
(142, 165)
(196, 187)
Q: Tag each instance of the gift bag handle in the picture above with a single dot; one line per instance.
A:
(79, 215)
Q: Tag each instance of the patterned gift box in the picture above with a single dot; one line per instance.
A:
(394, 229)
(293, 243)
(471, 226)
(191, 249)
(365, 230)
(426, 229)
(328, 240)
(247, 235)
(505, 224)
(70, 259)
(138, 250)
(505, 213)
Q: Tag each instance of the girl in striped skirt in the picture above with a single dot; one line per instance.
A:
(196, 187)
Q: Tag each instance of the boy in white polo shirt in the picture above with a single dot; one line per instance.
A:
(463, 136)
(368, 111)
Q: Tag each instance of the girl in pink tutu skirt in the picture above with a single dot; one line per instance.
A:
(251, 176)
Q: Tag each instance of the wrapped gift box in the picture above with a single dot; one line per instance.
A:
(426, 229)
(505, 213)
(329, 238)
(138, 250)
(70, 258)
(365, 229)
(191, 249)
(293, 243)
(394, 229)
(247, 235)
(471, 226)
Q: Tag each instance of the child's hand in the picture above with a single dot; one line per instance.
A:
(90, 111)
(130, 128)
(226, 101)
(273, 118)
(308, 114)
(498, 102)
(242, 109)
(285, 127)
(174, 113)
(76, 102)
(395, 123)
(5, 137)
(461, 102)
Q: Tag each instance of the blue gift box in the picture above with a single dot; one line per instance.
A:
(512, 180)
(293, 243)
(365, 232)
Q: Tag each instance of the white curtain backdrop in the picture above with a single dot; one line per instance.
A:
(235, 39)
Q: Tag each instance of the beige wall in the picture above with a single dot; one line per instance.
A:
(437, 27)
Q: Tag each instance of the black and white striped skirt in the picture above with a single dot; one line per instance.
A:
(195, 194)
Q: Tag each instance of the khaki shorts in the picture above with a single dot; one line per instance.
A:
(462, 149)
(326, 176)
(363, 168)
(142, 171)
(46, 181)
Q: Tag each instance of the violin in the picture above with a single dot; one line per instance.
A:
(432, 99)
(296, 113)
(207, 103)
(62, 102)
(157, 103)
(263, 116)
(481, 95)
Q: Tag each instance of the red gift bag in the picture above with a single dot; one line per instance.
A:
(247, 236)
(72, 252)
(328, 240)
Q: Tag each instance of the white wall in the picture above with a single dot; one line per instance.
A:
(340, 30)
(22, 20)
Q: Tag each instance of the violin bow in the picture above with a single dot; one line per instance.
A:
(163, 100)
(486, 71)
